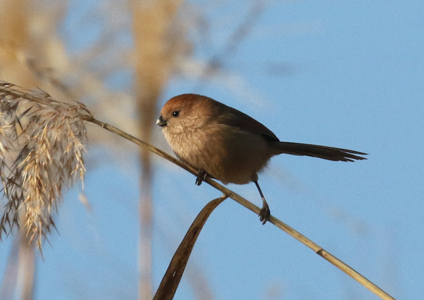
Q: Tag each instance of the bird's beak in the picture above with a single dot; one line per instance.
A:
(161, 122)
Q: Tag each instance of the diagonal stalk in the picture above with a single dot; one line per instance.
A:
(286, 228)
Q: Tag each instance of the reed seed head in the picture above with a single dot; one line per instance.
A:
(41, 155)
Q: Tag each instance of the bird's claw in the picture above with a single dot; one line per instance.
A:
(264, 214)
(201, 176)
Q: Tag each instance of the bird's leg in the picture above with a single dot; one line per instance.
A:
(201, 175)
(265, 212)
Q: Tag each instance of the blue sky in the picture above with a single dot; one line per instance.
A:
(352, 77)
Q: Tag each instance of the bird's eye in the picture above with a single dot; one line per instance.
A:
(176, 113)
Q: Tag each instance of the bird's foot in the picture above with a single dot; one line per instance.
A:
(201, 176)
(264, 214)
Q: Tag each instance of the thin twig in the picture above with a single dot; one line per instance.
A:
(286, 228)
(235, 39)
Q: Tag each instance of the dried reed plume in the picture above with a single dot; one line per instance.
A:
(41, 155)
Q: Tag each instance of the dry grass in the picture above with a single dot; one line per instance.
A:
(158, 40)
(41, 155)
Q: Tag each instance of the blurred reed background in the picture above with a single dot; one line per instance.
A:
(148, 42)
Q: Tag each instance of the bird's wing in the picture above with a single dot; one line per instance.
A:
(235, 118)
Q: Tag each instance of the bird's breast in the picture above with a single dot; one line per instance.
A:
(226, 153)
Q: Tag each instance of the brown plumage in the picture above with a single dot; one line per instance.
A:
(227, 144)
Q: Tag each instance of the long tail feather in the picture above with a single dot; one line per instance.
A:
(324, 152)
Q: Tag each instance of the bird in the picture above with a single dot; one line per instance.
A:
(226, 144)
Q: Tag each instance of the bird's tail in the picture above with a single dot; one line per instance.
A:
(324, 152)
